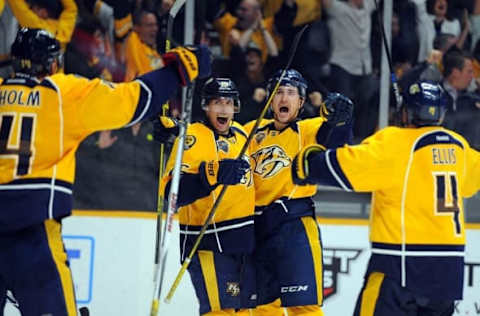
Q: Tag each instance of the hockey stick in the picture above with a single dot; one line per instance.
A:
(171, 16)
(187, 261)
(393, 77)
(172, 197)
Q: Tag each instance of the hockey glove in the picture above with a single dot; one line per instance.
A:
(163, 128)
(191, 62)
(337, 109)
(301, 167)
(225, 171)
(337, 130)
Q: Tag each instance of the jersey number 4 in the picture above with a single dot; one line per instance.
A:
(447, 197)
(22, 151)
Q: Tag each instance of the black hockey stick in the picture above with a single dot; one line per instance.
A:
(187, 261)
(393, 77)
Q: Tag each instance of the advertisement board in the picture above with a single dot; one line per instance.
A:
(111, 256)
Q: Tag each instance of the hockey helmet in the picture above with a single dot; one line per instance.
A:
(292, 78)
(220, 88)
(426, 103)
(34, 51)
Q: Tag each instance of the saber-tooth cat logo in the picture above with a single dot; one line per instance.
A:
(335, 261)
(270, 160)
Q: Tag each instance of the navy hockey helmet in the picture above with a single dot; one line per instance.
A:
(220, 88)
(292, 78)
(34, 51)
(426, 103)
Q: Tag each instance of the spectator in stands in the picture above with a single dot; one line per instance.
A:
(463, 107)
(250, 26)
(404, 43)
(89, 54)
(249, 73)
(141, 51)
(127, 160)
(47, 15)
(351, 61)
(8, 31)
(457, 74)
(431, 68)
(432, 20)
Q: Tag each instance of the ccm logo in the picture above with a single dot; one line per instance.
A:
(294, 288)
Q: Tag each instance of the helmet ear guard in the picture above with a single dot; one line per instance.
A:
(215, 88)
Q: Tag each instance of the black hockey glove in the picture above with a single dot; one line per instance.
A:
(301, 167)
(163, 128)
(225, 171)
(337, 130)
(337, 109)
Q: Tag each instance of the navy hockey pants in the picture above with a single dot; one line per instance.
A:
(223, 281)
(381, 296)
(289, 264)
(34, 267)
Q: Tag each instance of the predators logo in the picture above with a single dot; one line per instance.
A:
(270, 160)
(247, 177)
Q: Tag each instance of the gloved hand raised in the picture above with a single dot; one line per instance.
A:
(163, 128)
(191, 62)
(337, 109)
(225, 171)
(301, 167)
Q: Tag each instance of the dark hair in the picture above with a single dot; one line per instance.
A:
(454, 59)
(138, 15)
(53, 7)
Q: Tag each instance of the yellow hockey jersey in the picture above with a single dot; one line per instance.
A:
(419, 177)
(43, 122)
(232, 227)
(277, 198)
(272, 152)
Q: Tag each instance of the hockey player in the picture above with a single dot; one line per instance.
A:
(222, 270)
(419, 176)
(288, 245)
(43, 118)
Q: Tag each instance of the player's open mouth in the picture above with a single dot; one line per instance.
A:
(222, 120)
(284, 109)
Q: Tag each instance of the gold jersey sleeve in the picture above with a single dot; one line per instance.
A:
(472, 173)
(89, 102)
(379, 159)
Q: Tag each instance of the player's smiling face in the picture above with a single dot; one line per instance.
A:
(220, 114)
(286, 104)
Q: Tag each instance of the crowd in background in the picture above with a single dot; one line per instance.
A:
(118, 40)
